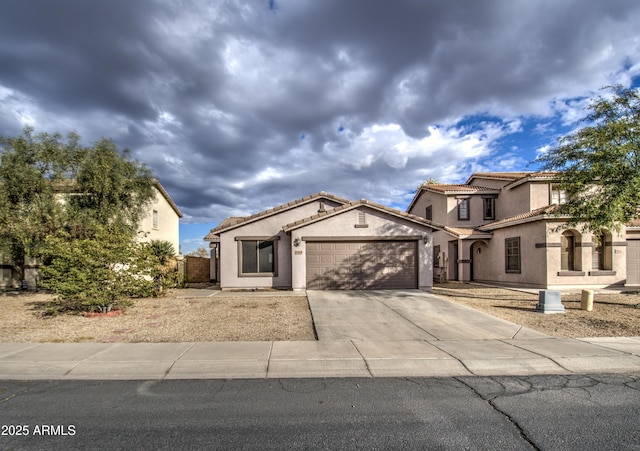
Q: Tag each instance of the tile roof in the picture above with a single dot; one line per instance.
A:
(509, 176)
(359, 203)
(537, 214)
(235, 221)
(451, 188)
(164, 193)
(461, 232)
(635, 223)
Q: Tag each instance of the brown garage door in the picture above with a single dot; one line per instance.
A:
(633, 262)
(362, 265)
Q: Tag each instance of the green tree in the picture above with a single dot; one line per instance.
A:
(200, 252)
(75, 208)
(95, 273)
(30, 166)
(598, 165)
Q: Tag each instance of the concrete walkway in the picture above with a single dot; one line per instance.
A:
(401, 334)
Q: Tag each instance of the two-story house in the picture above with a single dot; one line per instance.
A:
(500, 227)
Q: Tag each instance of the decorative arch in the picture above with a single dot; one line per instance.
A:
(570, 254)
(602, 251)
(479, 258)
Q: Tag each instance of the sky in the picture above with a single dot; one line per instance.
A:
(242, 105)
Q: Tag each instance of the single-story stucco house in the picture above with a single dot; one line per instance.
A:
(323, 242)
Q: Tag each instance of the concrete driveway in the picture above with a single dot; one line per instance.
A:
(400, 315)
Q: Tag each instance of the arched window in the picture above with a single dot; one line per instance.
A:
(601, 255)
(568, 251)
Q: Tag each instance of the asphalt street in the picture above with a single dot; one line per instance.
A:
(568, 412)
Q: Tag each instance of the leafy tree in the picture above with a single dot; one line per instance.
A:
(95, 273)
(598, 165)
(30, 166)
(200, 252)
(77, 209)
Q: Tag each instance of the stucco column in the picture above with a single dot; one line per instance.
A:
(298, 263)
(464, 262)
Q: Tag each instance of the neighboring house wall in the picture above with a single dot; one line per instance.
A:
(586, 271)
(523, 215)
(490, 264)
(162, 221)
(162, 225)
(514, 201)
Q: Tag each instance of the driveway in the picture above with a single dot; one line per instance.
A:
(394, 315)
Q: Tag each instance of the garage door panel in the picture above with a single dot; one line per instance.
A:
(633, 262)
(362, 265)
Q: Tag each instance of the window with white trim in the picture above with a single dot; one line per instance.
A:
(558, 196)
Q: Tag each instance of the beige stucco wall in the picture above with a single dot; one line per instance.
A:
(617, 259)
(540, 195)
(540, 259)
(489, 266)
(438, 204)
(379, 225)
(264, 227)
(513, 201)
(168, 222)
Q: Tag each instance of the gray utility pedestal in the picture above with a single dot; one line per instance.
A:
(549, 302)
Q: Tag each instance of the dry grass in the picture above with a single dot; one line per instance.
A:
(183, 316)
(613, 315)
(177, 317)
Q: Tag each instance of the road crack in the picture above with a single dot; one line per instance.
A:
(490, 401)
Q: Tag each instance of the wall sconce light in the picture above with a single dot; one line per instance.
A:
(296, 242)
(425, 239)
(478, 251)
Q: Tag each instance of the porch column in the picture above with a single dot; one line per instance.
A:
(464, 262)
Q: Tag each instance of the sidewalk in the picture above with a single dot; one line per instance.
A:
(346, 358)
(401, 333)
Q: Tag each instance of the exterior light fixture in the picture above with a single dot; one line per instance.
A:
(425, 239)
(296, 242)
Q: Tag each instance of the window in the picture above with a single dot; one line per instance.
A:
(463, 209)
(512, 254)
(567, 252)
(155, 219)
(428, 214)
(436, 256)
(558, 196)
(489, 208)
(257, 257)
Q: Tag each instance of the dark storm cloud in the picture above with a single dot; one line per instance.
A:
(240, 106)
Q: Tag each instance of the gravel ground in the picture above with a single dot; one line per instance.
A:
(613, 315)
(181, 316)
(190, 316)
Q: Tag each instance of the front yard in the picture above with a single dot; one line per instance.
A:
(187, 316)
(178, 317)
(613, 315)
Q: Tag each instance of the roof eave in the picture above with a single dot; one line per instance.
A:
(281, 208)
(354, 205)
